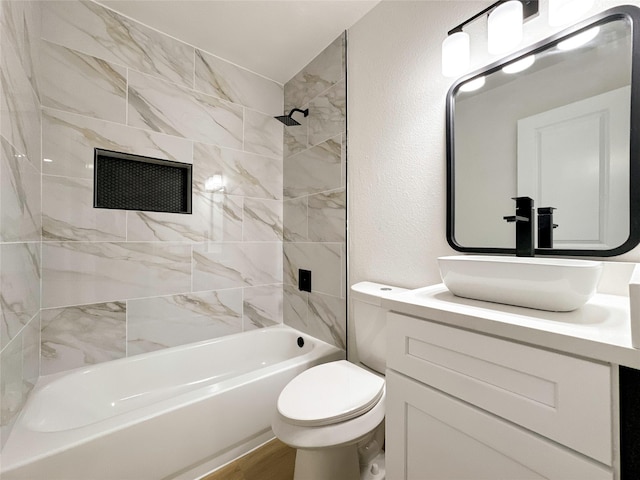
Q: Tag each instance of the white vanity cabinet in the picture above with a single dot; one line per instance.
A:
(463, 405)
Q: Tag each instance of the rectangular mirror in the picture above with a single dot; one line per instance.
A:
(554, 122)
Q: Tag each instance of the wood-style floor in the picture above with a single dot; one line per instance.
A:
(273, 461)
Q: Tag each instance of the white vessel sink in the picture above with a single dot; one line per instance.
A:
(558, 285)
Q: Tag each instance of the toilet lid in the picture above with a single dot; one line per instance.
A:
(330, 393)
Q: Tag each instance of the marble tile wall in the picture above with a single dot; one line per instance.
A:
(314, 203)
(118, 283)
(79, 285)
(20, 207)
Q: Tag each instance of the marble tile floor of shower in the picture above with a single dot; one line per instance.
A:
(272, 461)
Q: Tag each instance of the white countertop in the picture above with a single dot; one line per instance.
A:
(600, 330)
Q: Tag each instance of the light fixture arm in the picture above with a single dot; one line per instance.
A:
(529, 9)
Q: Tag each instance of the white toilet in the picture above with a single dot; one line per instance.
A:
(334, 413)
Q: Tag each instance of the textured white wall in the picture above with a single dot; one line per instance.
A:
(396, 126)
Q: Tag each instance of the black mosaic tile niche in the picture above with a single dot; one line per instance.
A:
(132, 182)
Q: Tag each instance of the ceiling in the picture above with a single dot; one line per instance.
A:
(270, 37)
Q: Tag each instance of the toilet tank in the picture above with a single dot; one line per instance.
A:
(369, 322)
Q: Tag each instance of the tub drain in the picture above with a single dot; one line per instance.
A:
(300, 342)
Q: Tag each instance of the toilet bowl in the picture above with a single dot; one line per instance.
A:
(333, 414)
(325, 412)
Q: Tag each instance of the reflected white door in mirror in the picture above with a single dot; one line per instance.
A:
(574, 158)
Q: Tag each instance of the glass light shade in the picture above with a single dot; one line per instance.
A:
(520, 65)
(579, 40)
(455, 54)
(473, 85)
(562, 12)
(505, 27)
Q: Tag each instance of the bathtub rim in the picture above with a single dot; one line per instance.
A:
(74, 376)
(22, 438)
(44, 380)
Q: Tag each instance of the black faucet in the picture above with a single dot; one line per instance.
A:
(545, 227)
(524, 226)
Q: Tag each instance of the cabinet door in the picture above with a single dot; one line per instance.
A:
(432, 436)
(563, 398)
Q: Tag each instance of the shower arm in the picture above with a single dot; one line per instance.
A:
(304, 112)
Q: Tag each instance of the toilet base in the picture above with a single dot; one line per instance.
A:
(374, 470)
(338, 463)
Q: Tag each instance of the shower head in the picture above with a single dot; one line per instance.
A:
(288, 120)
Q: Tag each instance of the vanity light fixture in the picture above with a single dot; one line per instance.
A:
(520, 65)
(504, 32)
(455, 54)
(563, 12)
(504, 27)
(579, 40)
(473, 85)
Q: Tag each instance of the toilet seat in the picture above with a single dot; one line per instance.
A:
(329, 436)
(328, 394)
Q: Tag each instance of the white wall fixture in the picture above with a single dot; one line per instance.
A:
(563, 12)
(455, 54)
(505, 27)
(634, 305)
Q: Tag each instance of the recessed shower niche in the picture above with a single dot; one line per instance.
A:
(133, 182)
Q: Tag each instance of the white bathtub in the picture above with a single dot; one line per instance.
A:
(176, 413)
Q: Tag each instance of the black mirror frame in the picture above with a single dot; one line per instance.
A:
(629, 12)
